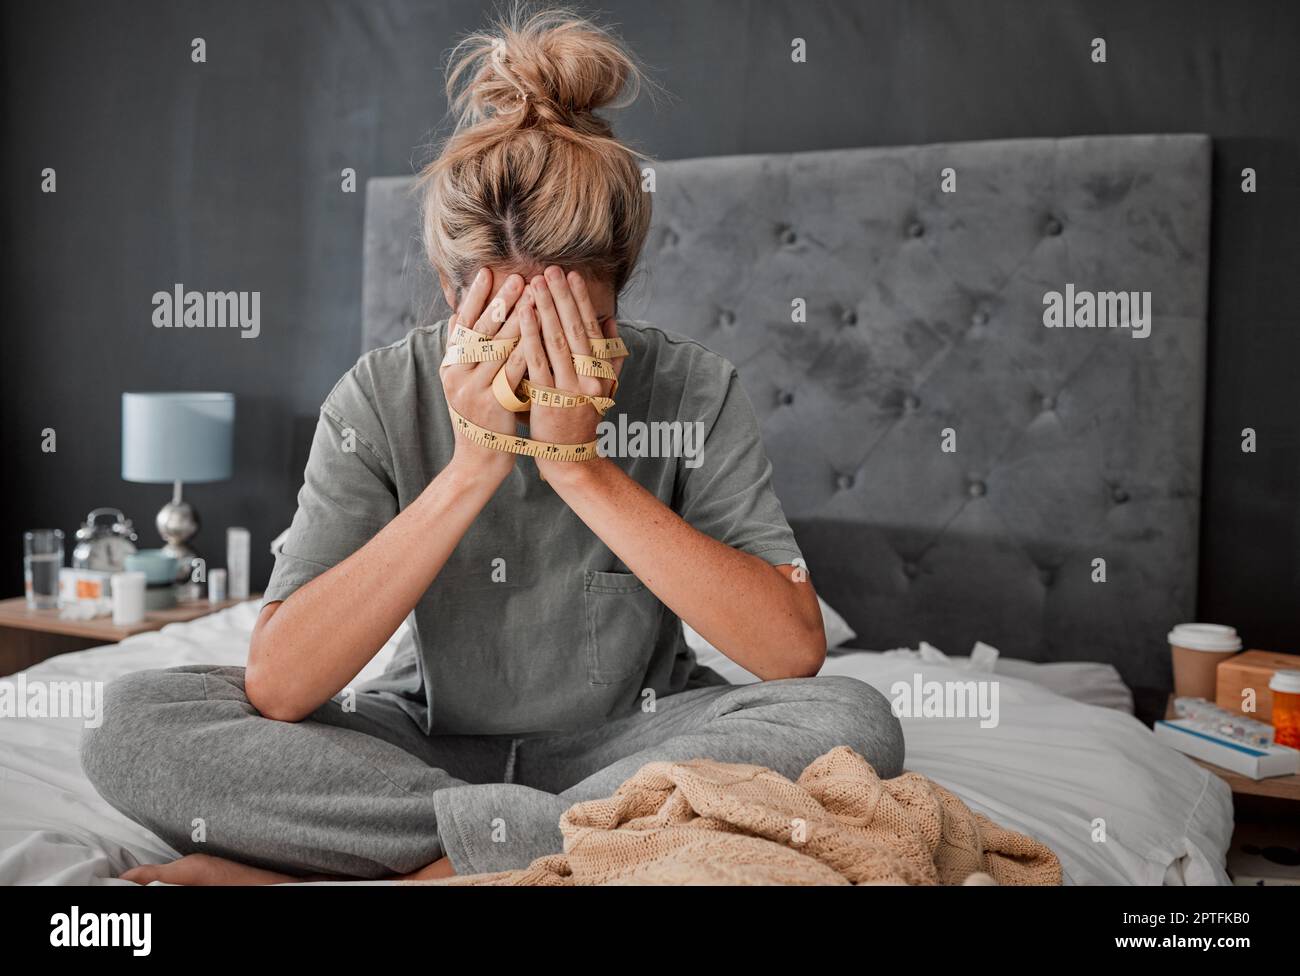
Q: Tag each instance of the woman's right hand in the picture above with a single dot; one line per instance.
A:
(468, 386)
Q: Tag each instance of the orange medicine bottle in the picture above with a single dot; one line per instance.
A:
(1285, 686)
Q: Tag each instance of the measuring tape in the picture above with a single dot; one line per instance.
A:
(514, 444)
(527, 393)
(467, 346)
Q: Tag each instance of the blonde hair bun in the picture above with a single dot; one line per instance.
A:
(555, 67)
(531, 175)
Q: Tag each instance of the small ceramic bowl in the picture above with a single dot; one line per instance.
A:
(158, 567)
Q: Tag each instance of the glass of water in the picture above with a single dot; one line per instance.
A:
(42, 560)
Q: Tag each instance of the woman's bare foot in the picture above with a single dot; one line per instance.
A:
(204, 869)
(440, 868)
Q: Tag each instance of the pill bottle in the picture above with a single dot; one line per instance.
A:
(1285, 686)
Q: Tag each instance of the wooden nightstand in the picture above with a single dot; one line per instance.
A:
(1285, 788)
(30, 636)
(1266, 842)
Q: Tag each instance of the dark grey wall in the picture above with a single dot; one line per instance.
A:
(225, 175)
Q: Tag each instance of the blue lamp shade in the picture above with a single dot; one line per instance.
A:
(170, 437)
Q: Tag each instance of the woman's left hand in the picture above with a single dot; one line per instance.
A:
(559, 325)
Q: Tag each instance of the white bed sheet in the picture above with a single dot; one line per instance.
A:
(1050, 768)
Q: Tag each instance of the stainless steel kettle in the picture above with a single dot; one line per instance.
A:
(104, 546)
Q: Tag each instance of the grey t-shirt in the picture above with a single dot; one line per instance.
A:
(533, 625)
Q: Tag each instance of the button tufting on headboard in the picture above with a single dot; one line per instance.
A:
(948, 334)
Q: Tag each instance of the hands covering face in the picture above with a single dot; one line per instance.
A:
(554, 318)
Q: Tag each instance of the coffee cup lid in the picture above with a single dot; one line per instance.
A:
(1205, 637)
(1287, 681)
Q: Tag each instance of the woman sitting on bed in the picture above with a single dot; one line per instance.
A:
(548, 663)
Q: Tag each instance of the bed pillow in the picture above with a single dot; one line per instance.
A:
(838, 632)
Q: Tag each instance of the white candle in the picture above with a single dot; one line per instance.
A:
(128, 598)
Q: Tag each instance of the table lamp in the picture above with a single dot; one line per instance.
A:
(177, 437)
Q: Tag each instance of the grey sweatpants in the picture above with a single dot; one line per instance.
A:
(366, 794)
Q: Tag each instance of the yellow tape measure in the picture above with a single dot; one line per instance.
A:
(527, 393)
(467, 346)
(514, 444)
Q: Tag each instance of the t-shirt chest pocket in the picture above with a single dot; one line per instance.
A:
(623, 619)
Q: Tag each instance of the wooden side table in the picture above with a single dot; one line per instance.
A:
(29, 636)
(1274, 788)
(1266, 836)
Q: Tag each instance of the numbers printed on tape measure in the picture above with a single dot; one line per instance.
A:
(522, 445)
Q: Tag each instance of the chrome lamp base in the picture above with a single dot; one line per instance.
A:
(178, 522)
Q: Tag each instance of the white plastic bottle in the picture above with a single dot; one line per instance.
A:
(237, 553)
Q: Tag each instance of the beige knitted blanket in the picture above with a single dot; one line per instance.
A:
(706, 822)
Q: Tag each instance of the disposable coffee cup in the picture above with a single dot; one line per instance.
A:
(1197, 651)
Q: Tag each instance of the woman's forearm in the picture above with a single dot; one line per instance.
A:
(307, 648)
(753, 612)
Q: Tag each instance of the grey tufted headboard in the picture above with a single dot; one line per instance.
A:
(924, 319)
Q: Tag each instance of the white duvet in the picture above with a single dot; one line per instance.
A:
(1092, 783)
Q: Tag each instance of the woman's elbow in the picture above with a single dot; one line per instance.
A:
(803, 655)
(268, 700)
(271, 697)
(804, 631)
(264, 685)
(810, 645)
(811, 654)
